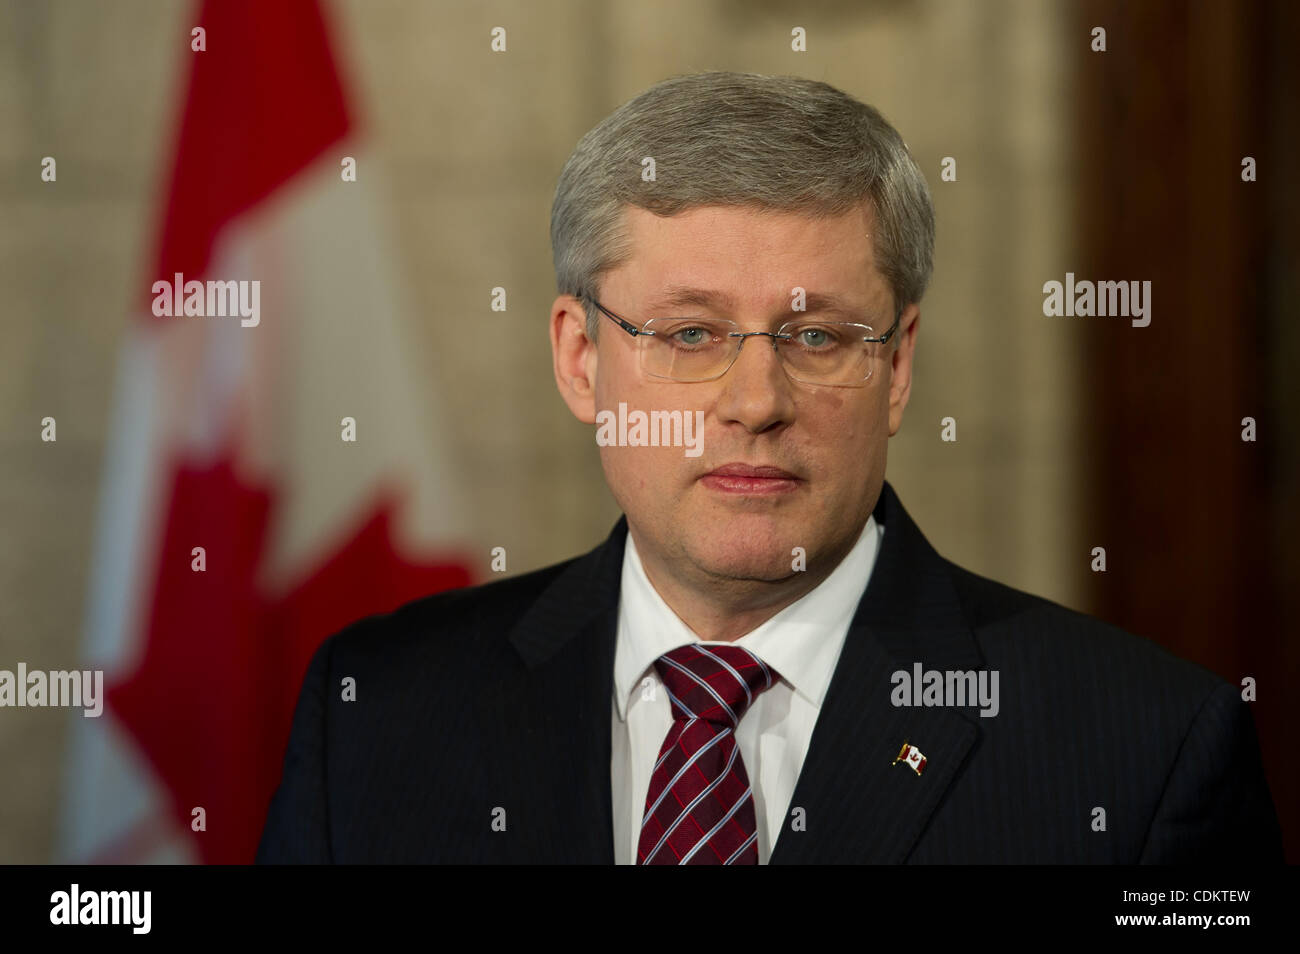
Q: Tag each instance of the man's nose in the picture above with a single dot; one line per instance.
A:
(756, 391)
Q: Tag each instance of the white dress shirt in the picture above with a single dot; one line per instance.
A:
(802, 642)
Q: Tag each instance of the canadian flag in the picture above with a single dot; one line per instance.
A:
(912, 757)
(265, 483)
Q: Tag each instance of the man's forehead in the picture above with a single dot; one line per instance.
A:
(675, 295)
(755, 231)
(704, 258)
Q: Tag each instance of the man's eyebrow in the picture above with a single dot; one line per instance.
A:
(679, 296)
(676, 296)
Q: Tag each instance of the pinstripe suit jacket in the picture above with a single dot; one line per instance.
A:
(480, 732)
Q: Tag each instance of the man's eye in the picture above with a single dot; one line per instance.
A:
(815, 338)
(693, 335)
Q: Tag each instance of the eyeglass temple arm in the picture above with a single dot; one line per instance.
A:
(890, 333)
(627, 326)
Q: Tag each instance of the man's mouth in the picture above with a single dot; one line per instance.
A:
(737, 478)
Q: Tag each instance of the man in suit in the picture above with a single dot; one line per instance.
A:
(765, 661)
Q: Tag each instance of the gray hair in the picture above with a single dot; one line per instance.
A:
(743, 139)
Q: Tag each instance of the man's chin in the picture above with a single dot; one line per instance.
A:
(756, 530)
(751, 572)
(737, 556)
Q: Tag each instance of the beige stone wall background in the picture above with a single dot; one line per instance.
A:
(469, 144)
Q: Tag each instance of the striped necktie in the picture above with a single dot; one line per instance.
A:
(700, 809)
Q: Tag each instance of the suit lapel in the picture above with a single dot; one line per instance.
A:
(858, 807)
(558, 715)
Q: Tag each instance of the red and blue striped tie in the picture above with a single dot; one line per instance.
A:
(700, 808)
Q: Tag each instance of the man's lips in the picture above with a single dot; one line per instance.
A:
(737, 478)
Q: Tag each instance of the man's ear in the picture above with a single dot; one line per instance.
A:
(574, 357)
(900, 378)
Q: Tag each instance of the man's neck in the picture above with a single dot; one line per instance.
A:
(722, 609)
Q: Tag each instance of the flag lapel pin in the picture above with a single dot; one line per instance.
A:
(912, 757)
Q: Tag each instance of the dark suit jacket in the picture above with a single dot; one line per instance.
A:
(498, 697)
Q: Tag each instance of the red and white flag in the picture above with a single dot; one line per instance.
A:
(237, 526)
(911, 756)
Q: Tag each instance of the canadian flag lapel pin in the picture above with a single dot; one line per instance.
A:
(912, 757)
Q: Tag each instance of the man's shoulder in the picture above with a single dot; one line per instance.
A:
(434, 633)
(1087, 723)
(1059, 644)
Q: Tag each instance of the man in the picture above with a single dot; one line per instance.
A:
(765, 661)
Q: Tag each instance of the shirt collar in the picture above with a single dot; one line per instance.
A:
(802, 642)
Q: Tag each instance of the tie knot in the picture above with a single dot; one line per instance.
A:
(713, 683)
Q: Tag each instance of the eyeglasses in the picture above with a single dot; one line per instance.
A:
(832, 353)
